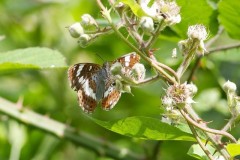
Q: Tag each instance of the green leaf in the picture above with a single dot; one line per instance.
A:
(228, 17)
(231, 55)
(135, 7)
(233, 149)
(196, 12)
(145, 128)
(197, 152)
(31, 58)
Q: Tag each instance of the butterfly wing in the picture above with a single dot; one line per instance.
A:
(111, 95)
(82, 77)
(128, 61)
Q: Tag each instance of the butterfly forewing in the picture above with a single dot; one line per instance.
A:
(128, 61)
(82, 77)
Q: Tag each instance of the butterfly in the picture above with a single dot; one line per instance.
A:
(95, 83)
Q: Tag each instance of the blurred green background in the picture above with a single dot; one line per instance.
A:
(29, 23)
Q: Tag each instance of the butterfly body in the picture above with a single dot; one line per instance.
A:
(95, 83)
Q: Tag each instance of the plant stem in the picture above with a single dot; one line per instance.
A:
(187, 59)
(154, 38)
(200, 142)
(213, 138)
(206, 129)
(60, 130)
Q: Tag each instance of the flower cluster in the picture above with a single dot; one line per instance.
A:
(162, 10)
(177, 95)
(127, 77)
(77, 30)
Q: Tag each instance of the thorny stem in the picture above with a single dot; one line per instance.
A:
(211, 137)
(228, 126)
(210, 51)
(206, 129)
(213, 140)
(132, 31)
(63, 131)
(200, 142)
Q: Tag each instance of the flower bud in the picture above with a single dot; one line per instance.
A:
(147, 24)
(88, 21)
(84, 40)
(138, 71)
(229, 87)
(192, 89)
(76, 30)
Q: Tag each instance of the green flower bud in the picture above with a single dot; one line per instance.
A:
(229, 87)
(84, 40)
(88, 21)
(147, 24)
(76, 30)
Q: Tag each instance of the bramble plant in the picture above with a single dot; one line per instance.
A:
(144, 21)
(177, 61)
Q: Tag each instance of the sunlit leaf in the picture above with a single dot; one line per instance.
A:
(31, 58)
(145, 128)
(135, 7)
(197, 152)
(196, 12)
(228, 11)
(233, 149)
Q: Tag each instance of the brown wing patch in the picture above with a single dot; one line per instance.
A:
(87, 103)
(129, 60)
(110, 97)
(81, 71)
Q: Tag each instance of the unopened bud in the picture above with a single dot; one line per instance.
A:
(138, 71)
(88, 20)
(147, 24)
(84, 40)
(76, 30)
(229, 87)
(192, 89)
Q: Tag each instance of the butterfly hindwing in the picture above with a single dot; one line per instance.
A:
(82, 77)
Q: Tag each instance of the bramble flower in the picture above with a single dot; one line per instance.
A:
(160, 9)
(197, 31)
(181, 93)
(76, 30)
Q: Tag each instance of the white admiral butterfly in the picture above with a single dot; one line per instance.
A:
(94, 83)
